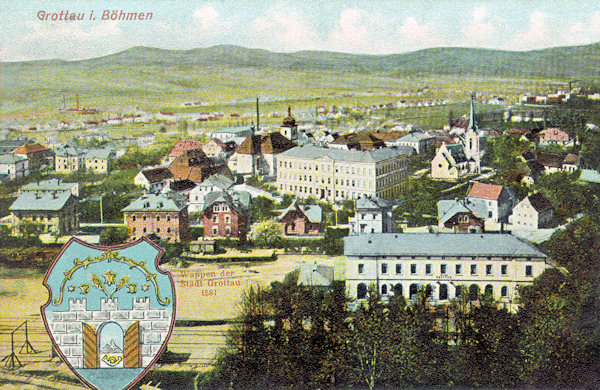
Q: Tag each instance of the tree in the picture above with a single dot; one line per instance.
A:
(262, 208)
(267, 233)
(113, 235)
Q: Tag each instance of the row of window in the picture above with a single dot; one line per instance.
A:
(326, 168)
(443, 270)
(442, 291)
(220, 207)
(145, 230)
(168, 218)
(215, 219)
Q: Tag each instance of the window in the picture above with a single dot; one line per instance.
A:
(384, 268)
(384, 289)
(144, 218)
(361, 291)
(361, 268)
(413, 269)
(488, 269)
(443, 269)
(144, 230)
(227, 219)
(216, 208)
(443, 292)
(504, 269)
(489, 290)
(168, 230)
(158, 218)
(133, 218)
(227, 230)
(428, 269)
(528, 270)
(398, 289)
(398, 268)
(458, 269)
(413, 290)
(473, 269)
(168, 218)
(504, 291)
(215, 218)
(214, 230)
(157, 230)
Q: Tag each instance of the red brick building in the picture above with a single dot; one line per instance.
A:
(301, 220)
(227, 214)
(165, 215)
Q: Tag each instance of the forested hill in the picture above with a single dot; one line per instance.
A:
(569, 62)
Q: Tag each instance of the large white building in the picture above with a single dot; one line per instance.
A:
(335, 174)
(449, 263)
(373, 215)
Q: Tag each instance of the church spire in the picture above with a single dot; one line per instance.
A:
(472, 125)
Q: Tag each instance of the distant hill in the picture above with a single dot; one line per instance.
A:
(572, 61)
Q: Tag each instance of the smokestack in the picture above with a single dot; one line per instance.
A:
(257, 117)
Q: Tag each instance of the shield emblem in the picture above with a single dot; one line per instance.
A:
(111, 310)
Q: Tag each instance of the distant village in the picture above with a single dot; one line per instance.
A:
(482, 239)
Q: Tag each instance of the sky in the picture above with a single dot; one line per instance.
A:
(366, 27)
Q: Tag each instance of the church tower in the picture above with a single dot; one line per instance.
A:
(289, 127)
(471, 148)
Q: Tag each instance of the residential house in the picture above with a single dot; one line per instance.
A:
(217, 182)
(215, 148)
(99, 160)
(373, 215)
(196, 166)
(256, 155)
(227, 214)
(14, 166)
(38, 155)
(232, 133)
(154, 179)
(52, 185)
(459, 216)
(448, 265)
(420, 141)
(533, 212)
(55, 211)
(555, 162)
(301, 220)
(180, 148)
(68, 159)
(10, 144)
(164, 214)
(494, 202)
(182, 187)
(335, 174)
(555, 136)
(315, 275)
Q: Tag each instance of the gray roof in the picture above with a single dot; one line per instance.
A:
(315, 275)
(103, 154)
(414, 137)
(313, 212)
(49, 185)
(44, 201)
(447, 208)
(314, 152)
(439, 244)
(238, 200)
(590, 175)
(67, 150)
(10, 158)
(372, 203)
(217, 180)
(169, 201)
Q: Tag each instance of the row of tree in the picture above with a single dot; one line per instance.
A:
(295, 337)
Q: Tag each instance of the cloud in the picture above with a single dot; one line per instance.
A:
(479, 31)
(537, 34)
(414, 35)
(207, 23)
(284, 30)
(360, 31)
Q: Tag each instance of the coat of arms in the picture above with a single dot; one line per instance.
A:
(111, 310)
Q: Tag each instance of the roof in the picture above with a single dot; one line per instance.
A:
(414, 137)
(182, 185)
(68, 150)
(45, 201)
(217, 180)
(554, 160)
(313, 213)
(225, 146)
(238, 200)
(571, 159)
(457, 151)
(30, 149)
(103, 154)
(198, 174)
(49, 185)
(391, 135)
(155, 175)
(315, 275)
(485, 191)
(233, 130)
(381, 154)
(590, 175)
(448, 208)
(372, 202)
(183, 145)
(540, 202)
(439, 244)
(169, 201)
(8, 158)
(360, 141)
(192, 158)
(271, 143)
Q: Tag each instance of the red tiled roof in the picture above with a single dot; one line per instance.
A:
(272, 143)
(157, 174)
(192, 158)
(30, 148)
(184, 145)
(485, 190)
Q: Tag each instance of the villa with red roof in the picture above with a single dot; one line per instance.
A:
(180, 148)
(494, 202)
(554, 135)
(37, 154)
